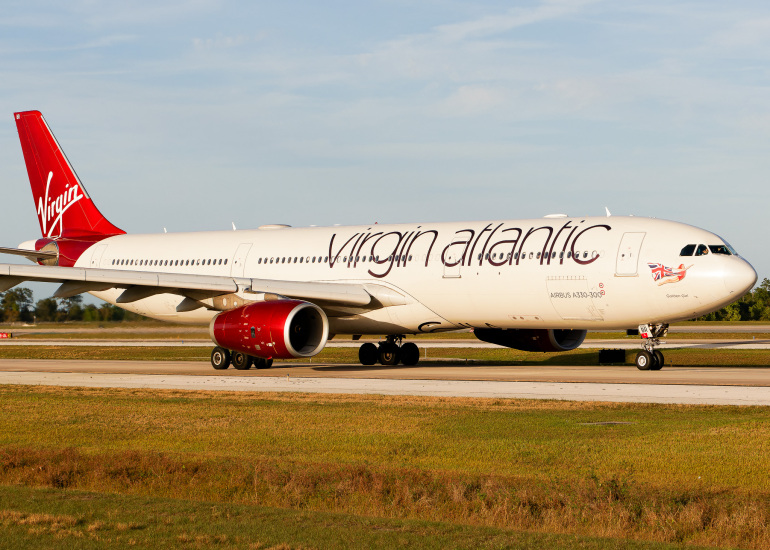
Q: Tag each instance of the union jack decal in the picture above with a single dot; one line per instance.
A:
(664, 274)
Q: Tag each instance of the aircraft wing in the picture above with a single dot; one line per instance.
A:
(197, 289)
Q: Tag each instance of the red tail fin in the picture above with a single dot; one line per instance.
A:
(64, 208)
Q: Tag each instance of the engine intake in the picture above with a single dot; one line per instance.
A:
(280, 329)
(532, 339)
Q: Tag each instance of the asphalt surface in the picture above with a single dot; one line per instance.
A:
(685, 385)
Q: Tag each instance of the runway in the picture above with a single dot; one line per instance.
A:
(705, 343)
(683, 385)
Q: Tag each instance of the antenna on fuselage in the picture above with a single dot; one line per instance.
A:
(609, 215)
(233, 226)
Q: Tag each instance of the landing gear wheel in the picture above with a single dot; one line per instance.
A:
(644, 360)
(659, 360)
(410, 354)
(262, 363)
(220, 358)
(367, 354)
(241, 361)
(388, 354)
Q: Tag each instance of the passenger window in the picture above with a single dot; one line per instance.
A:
(687, 250)
(702, 250)
(538, 255)
(225, 261)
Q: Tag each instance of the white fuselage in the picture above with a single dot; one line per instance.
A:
(577, 273)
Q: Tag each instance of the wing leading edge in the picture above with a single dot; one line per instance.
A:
(198, 290)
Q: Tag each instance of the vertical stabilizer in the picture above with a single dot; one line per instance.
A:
(63, 206)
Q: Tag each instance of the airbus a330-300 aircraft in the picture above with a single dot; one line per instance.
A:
(278, 292)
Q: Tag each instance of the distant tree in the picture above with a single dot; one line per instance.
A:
(754, 306)
(71, 309)
(46, 310)
(90, 313)
(17, 304)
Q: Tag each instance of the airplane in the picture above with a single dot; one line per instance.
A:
(278, 292)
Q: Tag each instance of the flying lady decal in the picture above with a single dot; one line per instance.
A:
(663, 274)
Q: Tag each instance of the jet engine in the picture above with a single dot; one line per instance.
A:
(532, 339)
(280, 329)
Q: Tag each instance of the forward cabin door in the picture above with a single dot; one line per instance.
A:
(627, 264)
(239, 260)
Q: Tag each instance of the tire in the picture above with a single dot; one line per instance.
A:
(410, 354)
(220, 358)
(368, 354)
(261, 363)
(644, 360)
(388, 354)
(659, 360)
(241, 361)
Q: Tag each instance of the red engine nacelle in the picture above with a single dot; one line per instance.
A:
(532, 339)
(280, 329)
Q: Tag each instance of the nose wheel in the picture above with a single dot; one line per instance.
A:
(650, 358)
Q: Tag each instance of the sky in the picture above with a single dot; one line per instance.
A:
(196, 114)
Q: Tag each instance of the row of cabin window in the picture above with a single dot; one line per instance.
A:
(501, 255)
(325, 259)
(169, 262)
(404, 257)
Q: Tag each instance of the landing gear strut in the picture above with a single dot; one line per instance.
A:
(389, 352)
(650, 358)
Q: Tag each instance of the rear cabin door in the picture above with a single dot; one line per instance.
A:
(96, 257)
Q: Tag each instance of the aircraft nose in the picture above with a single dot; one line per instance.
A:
(740, 278)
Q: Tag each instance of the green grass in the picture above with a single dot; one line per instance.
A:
(673, 474)
(35, 518)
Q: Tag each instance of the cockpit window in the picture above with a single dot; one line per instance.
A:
(720, 249)
(687, 250)
(702, 250)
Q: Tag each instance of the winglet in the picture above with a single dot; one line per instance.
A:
(64, 208)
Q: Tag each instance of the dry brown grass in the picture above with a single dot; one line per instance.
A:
(611, 507)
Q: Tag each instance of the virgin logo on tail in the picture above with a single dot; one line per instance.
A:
(50, 211)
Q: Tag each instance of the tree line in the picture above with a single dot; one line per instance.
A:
(17, 305)
(754, 306)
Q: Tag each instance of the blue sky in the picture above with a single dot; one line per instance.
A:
(192, 115)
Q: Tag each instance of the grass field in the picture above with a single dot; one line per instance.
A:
(312, 471)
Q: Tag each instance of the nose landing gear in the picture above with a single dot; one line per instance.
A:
(650, 358)
(389, 352)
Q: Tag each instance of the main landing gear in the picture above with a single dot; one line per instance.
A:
(221, 359)
(389, 352)
(650, 358)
